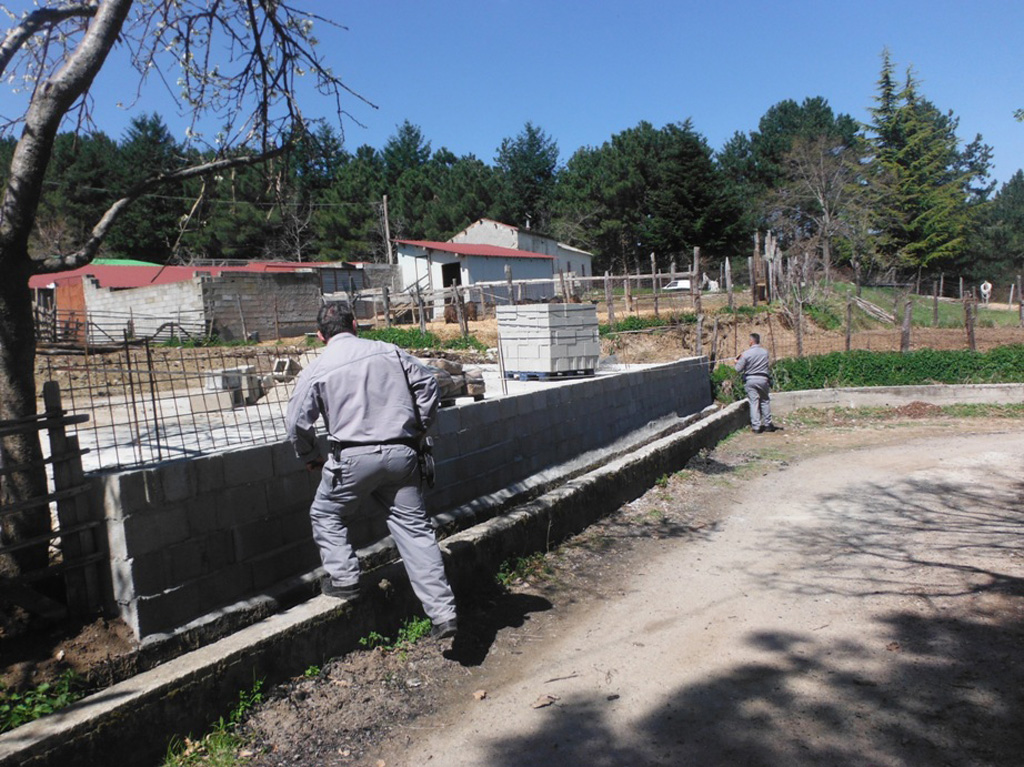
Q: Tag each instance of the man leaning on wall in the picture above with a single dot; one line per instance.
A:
(376, 402)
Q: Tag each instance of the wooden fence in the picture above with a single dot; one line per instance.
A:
(81, 558)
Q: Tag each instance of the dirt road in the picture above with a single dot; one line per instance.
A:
(859, 607)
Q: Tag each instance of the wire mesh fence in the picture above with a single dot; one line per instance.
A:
(149, 403)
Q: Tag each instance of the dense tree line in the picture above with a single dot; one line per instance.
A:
(898, 196)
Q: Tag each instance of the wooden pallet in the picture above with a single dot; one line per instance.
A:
(525, 375)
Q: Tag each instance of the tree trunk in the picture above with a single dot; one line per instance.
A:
(18, 401)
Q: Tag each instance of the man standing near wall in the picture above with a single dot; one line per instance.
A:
(753, 365)
(376, 402)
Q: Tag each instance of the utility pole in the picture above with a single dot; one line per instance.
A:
(387, 231)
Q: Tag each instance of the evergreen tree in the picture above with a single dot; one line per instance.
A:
(529, 167)
(923, 184)
(151, 226)
(77, 192)
(998, 241)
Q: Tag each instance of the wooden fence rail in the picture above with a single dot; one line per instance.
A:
(81, 546)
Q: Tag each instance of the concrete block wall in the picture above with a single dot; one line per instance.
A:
(148, 308)
(273, 303)
(191, 537)
(188, 537)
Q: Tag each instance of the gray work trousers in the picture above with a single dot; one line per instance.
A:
(760, 401)
(386, 476)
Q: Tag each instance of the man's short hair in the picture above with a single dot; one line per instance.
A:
(756, 337)
(333, 318)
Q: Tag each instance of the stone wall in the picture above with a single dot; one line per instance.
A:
(191, 537)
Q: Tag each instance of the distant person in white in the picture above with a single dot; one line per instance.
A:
(753, 365)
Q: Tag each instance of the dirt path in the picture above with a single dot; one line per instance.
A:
(862, 606)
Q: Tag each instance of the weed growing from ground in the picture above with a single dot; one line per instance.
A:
(18, 708)
(522, 568)
(220, 746)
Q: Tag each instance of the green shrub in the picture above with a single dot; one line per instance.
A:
(824, 317)
(926, 366)
(18, 708)
(720, 392)
(413, 338)
(634, 322)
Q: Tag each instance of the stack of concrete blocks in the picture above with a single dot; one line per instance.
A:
(548, 339)
(228, 388)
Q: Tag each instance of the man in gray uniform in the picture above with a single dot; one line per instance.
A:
(753, 366)
(376, 402)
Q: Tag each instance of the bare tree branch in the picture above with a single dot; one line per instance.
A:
(88, 251)
(35, 22)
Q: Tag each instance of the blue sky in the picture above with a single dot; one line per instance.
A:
(472, 73)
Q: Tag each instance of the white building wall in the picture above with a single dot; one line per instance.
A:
(490, 233)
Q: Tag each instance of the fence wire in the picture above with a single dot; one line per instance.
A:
(151, 403)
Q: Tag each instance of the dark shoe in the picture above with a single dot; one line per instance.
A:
(756, 429)
(444, 630)
(328, 589)
(772, 427)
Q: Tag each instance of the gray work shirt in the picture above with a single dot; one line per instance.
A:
(365, 391)
(753, 362)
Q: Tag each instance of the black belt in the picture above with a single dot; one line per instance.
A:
(336, 447)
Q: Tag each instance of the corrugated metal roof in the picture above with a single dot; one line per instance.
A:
(124, 276)
(471, 249)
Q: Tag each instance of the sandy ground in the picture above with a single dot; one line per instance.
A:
(862, 605)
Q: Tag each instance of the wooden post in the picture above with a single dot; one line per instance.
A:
(713, 354)
(935, 304)
(799, 327)
(609, 299)
(750, 271)
(460, 314)
(75, 516)
(728, 284)
(565, 290)
(1020, 301)
(628, 294)
(508, 281)
(961, 288)
(969, 314)
(849, 322)
(698, 346)
(386, 297)
(942, 284)
(908, 309)
(771, 335)
(754, 266)
(422, 310)
(695, 283)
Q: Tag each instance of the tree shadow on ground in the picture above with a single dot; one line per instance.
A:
(954, 700)
(945, 688)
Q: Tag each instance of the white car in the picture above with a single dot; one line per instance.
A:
(677, 285)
